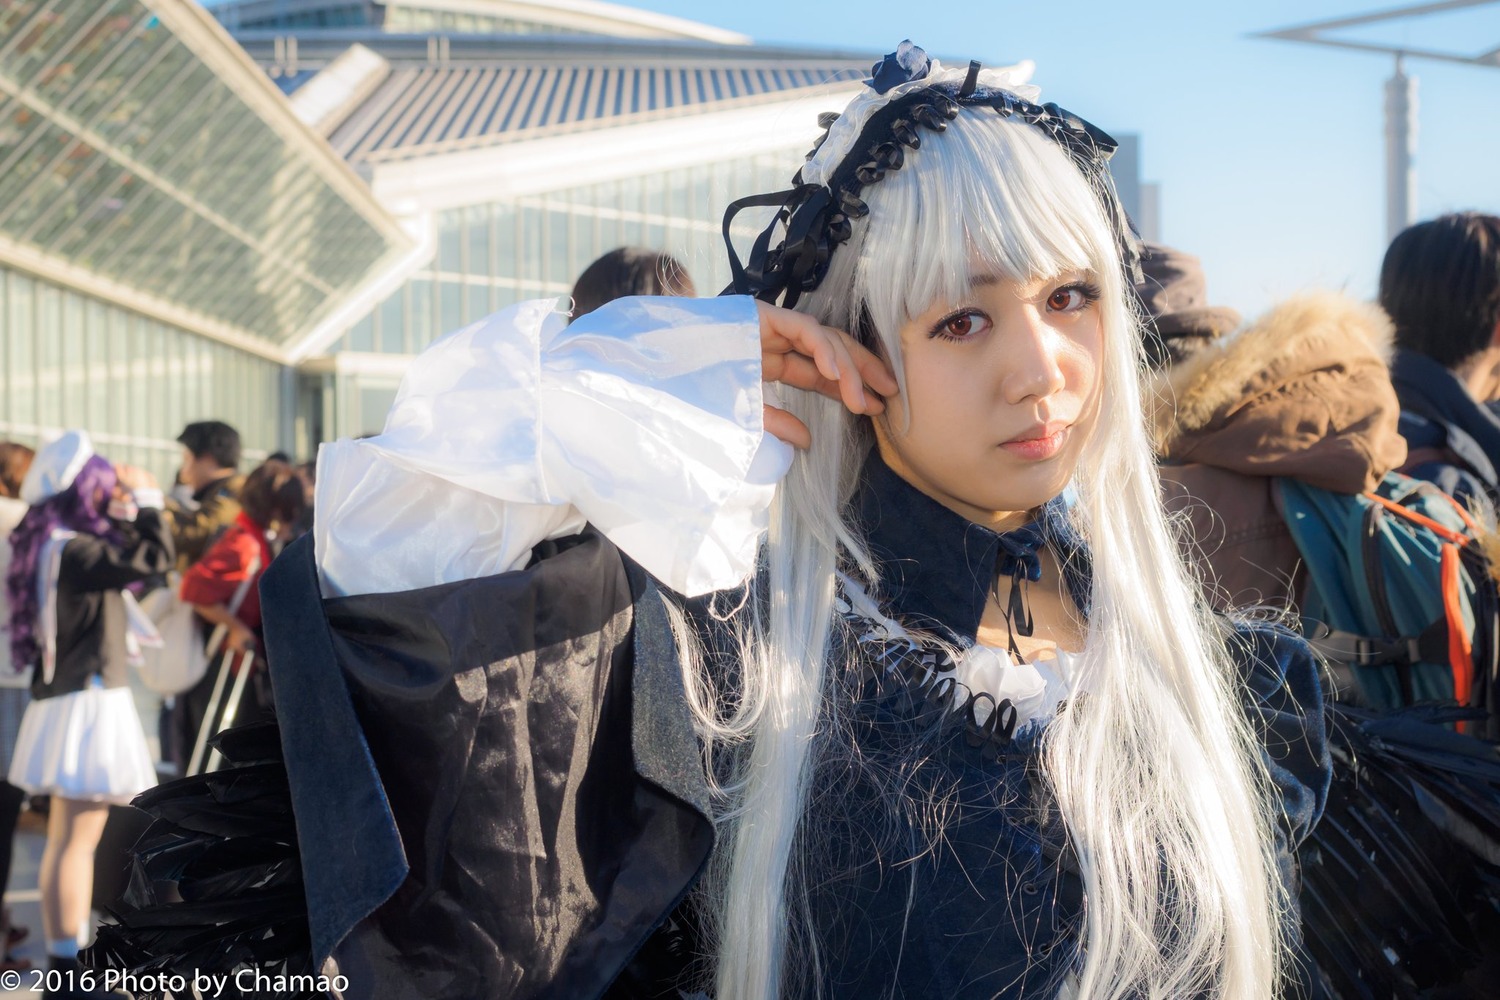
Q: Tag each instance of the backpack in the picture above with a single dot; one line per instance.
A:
(1398, 590)
(178, 660)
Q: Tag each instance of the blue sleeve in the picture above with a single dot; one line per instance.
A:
(1284, 699)
(1283, 696)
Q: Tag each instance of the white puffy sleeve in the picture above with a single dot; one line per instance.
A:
(642, 418)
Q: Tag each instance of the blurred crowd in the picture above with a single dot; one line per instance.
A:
(1322, 396)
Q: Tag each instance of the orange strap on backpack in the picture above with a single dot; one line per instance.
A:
(1460, 650)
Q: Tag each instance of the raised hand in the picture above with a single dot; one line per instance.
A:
(797, 350)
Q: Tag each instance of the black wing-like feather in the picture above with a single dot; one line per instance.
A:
(1399, 879)
(216, 880)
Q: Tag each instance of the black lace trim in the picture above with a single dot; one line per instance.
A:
(817, 218)
(919, 682)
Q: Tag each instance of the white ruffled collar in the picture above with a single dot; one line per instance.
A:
(990, 677)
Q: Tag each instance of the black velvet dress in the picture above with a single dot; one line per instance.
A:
(496, 792)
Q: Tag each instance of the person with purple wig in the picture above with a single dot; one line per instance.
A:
(91, 530)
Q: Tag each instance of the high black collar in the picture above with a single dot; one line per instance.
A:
(937, 567)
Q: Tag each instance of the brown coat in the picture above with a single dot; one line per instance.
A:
(1302, 393)
(196, 526)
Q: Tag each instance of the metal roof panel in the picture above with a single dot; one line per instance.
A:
(445, 107)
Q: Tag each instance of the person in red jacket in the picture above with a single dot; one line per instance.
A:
(223, 586)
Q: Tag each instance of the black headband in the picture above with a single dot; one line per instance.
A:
(817, 217)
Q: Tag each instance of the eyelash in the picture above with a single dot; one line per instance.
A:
(941, 325)
(1087, 289)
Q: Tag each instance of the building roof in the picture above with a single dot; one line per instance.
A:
(144, 159)
(443, 108)
(588, 17)
(444, 94)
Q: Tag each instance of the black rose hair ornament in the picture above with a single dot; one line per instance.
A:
(908, 93)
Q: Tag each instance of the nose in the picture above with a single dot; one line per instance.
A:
(1031, 360)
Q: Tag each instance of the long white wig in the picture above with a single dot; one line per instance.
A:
(1153, 765)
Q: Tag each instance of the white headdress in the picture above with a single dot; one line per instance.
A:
(56, 465)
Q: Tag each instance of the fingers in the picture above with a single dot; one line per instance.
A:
(798, 350)
(875, 372)
(799, 371)
(787, 427)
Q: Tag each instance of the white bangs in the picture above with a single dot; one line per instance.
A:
(990, 195)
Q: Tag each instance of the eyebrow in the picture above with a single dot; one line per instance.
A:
(989, 279)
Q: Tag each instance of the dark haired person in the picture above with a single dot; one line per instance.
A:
(15, 681)
(202, 507)
(629, 271)
(272, 501)
(1440, 283)
(207, 504)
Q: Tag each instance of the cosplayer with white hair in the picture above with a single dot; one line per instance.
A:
(1157, 774)
(967, 730)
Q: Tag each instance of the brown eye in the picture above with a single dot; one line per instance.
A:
(1065, 299)
(961, 326)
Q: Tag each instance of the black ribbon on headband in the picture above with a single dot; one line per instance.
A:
(815, 218)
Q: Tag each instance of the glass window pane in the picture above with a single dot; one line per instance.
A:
(140, 374)
(71, 370)
(20, 336)
(477, 227)
(450, 242)
(121, 384)
(505, 242)
(49, 356)
(422, 326)
(530, 249)
(374, 403)
(393, 324)
(558, 267)
(478, 303)
(362, 335)
(450, 306)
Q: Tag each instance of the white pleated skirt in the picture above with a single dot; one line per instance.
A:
(87, 746)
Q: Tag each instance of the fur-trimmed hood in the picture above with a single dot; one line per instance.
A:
(1303, 392)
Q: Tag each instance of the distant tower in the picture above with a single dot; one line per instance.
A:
(1400, 151)
(1400, 92)
(1142, 200)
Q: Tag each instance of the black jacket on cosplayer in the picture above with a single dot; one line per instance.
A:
(497, 787)
(91, 623)
(526, 739)
(1452, 439)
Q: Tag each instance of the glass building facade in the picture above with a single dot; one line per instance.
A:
(72, 360)
(125, 153)
(168, 230)
(495, 254)
(404, 17)
(177, 245)
(492, 255)
(390, 15)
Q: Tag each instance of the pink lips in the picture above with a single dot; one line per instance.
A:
(1038, 444)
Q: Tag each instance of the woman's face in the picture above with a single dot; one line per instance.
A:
(1002, 392)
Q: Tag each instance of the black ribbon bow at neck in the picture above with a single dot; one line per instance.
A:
(1019, 560)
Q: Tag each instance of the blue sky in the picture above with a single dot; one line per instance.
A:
(1270, 154)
